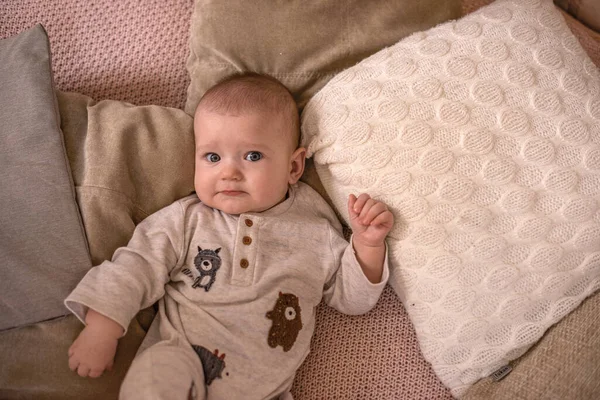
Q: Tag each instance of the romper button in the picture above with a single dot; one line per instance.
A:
(249, 222)
(247, 240)
(244, 263)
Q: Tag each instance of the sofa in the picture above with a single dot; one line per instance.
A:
(102, 92)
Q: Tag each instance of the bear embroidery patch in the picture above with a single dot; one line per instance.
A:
(213, 364)
(287, 321)
(207, 263)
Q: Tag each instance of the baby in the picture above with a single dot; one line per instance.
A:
(238, 268)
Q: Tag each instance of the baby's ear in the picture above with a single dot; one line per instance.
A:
(297, 162)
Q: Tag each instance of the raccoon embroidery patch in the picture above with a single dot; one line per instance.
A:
(207, 263)
(213, 364)
(287, 321)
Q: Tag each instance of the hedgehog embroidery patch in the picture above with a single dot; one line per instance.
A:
(287, 321)
(213, 364)
(207, 263)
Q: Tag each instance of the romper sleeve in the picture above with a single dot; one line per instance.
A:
(136, 276)
(349, 290)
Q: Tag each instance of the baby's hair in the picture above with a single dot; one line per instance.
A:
(250, 91)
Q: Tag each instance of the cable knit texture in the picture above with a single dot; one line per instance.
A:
(483, 137)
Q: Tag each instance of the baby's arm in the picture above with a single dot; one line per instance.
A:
(370, 221)
(111, 294)
(94, 349)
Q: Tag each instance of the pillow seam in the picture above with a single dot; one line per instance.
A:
(131, 201)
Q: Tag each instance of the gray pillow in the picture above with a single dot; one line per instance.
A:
(43, 249)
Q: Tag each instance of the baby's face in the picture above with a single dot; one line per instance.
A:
(244, 163)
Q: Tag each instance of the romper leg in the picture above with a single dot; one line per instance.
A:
(164, 372)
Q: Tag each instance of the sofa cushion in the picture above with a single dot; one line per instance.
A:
(586, 11)
(301, 43)
(35, 362)
(482, 135)
(589, 39)
(43, 251)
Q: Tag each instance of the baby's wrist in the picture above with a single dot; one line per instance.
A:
(371, 258)
(368, 251)
(101, 323)
(368, 245)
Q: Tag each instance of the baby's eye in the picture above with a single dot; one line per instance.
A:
(212, 157)
(253, 156)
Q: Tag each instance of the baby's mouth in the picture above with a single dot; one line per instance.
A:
(231, 192)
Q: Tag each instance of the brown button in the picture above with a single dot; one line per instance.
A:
(247, 240)
(244, 263)
(249, 222)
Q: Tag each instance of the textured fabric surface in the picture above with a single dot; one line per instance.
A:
(587, 37)
(301, 43)
(483, 136)
(132, 51)
(371, 356)
(564, 363)
(43, 250)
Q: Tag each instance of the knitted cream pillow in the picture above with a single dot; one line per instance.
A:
(483, 137)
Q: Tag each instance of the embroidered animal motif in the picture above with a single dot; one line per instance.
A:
(207, 263)
(213, 364)
(287, 321)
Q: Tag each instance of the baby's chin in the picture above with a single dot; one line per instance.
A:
(237, 208)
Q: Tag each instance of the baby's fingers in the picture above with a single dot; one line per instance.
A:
(360, 202)
(96, 373)
(76, 365)
(351, 204)
(83, 370)
(371, 211)
(73, 362)
(386, 219)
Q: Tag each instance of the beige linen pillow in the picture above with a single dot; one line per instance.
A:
(483, 136)
(127, 162)
(303, 43)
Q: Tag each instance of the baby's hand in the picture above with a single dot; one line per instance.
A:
(370, 220)
(94, 349)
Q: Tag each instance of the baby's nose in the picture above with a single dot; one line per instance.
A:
(231, 171)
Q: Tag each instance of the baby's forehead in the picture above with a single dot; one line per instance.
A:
(257, 110)
(267, 125)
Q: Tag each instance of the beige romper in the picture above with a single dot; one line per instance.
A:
(237, 295)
